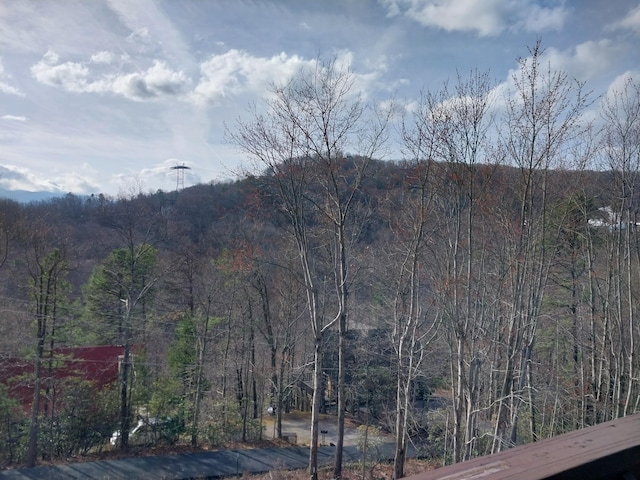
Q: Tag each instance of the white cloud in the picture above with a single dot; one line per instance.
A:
(539, 19)
(235, 72)
(13, 177)
(586, 60)
(70, 76)
(365, 83)
(158, 80)
(486, 18)
(9, 90)
(465, 15)
(583, 62)
(5, 87)
(622, 81)
(14, 118)
(103, 57)
(631, 21)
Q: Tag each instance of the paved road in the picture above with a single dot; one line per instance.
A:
(201, 465)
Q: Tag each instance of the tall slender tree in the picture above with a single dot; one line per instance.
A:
(301, 141)
(621, 150)
(409, 217)
(468, 160)
(544, 117)
(48, 287)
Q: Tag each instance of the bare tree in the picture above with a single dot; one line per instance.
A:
(8, 211)
(621, 149)
(281, 305)
(300, 141)
(543, 118)
(409, 218)
(468, 162)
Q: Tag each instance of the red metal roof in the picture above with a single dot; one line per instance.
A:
(97, 364)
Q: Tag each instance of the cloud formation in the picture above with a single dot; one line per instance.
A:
(124, 85)
(5, 87)
(103, 57)
(630, 22)
(70, 76)
(9, 90)
(222, 76)
(16, 178)
(486, 18)
(236, 71)
(229, 74)
(158, 80)
(586, 60)
(14, 118)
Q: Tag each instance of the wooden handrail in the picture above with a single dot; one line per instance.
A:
(610, 450)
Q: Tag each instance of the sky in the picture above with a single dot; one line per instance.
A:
(106, 96)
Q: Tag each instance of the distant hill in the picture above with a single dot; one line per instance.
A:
(24, 196)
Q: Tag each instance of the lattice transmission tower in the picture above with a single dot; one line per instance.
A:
(180, 175)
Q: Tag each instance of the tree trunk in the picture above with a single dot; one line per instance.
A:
(32, 452)
(318, 393)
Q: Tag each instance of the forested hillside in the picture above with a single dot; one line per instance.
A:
(497, 265)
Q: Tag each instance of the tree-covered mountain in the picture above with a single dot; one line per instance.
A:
(493, 270)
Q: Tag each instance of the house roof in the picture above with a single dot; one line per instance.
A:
(97, 364)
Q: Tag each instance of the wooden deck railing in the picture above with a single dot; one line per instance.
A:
(610, 450)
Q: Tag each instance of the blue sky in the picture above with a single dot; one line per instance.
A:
(105, 96)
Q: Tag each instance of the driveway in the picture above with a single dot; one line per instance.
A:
(299, 424)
